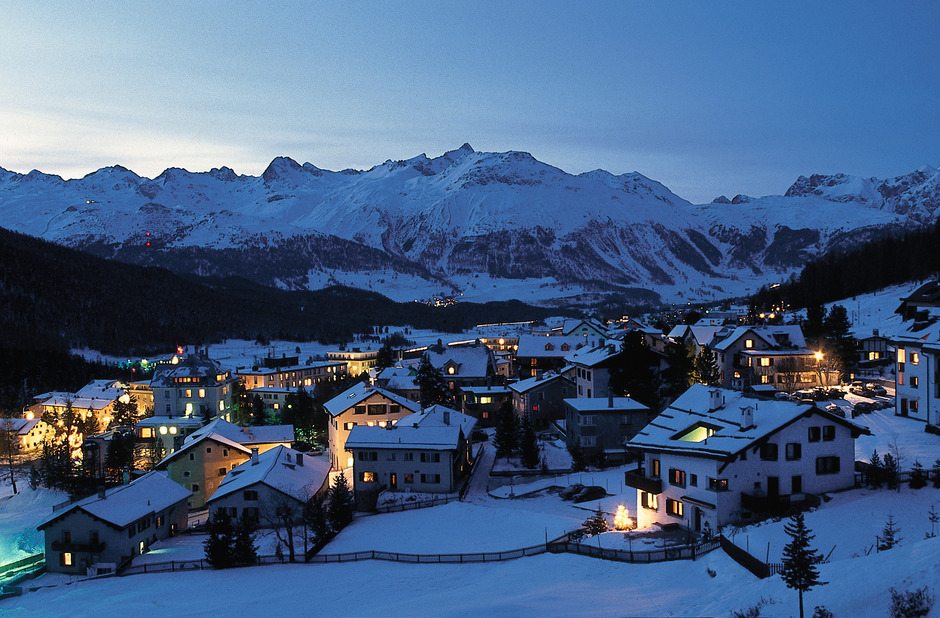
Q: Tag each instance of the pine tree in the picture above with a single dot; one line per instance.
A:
(315, 518)
(933, 517)
(889, 534)
(936, 474)
(876, 475)
(841, 343)
(891, 471)
(595, 524)
(125, 413)
(705, 368)
(918, 476)
(258, 413)
(506, 439)
(340, 510)
(431, 384)
(799, 559)
(218, 546)
(243, 542)
(529, 444)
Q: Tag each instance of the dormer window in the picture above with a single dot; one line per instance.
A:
(451, 370)
(748, 343)
(565, 347)
(549, 347)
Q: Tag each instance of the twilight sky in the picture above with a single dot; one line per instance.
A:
(707, 98)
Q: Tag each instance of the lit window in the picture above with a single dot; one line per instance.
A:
(649, 501)
(172, 431)
(221, 406)
(349, 462)
(677, 477)
(673, 507)
(189, 392)
(915, 358)
(901, 355)
(189, 408)
(66, 559)
(163, 430)
(146, 432)
(748, 343)
(202, 393)
(765, 361)
(367, 477)
(914, 381)
(451, 370)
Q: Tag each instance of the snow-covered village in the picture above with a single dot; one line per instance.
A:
(552, 308)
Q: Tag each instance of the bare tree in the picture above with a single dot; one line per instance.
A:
(281, 515)
(8, 447)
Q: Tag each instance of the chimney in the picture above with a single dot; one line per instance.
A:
(300, 459)
(446, 416)
(747, 417)
(715, 400)
(254, 456)
(874, 332)
(102, 492)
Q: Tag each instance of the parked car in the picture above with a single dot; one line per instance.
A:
(592, 492)
(877, 389)
(834, 409)
(570, 491)
(862, 407)
(836, 393)
(856, 387)
(781, 395)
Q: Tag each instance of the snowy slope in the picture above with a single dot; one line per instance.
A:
(449, 219)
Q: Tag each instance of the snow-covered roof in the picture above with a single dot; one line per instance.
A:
(538, 345)
(21, 426)
(786, 335)
(401, 383)
(709, 421)
(592, 357)
(254, 434)
(471, 361)
(603, 404)
(83, 403)
(528, 384)
(101, 389)
(122, 506)
(702, 334)
(571, 324)
(359, 393)
(195, 365)
(263, 371)
(424, 430)
(484, 390)
(391, 372)
(280, 469)
(189, 443)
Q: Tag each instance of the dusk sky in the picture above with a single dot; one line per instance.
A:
(707, 98)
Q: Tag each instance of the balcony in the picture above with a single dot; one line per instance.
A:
(777, 505)
(638, 480)
(87, 548)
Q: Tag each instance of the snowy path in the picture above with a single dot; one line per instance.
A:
(481, 476)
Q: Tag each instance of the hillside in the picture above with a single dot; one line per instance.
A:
(487, 225)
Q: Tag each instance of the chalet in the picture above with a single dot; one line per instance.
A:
(97, 534)
(399, 380)
(774, 355)
(463, 365)
(538, 353)
(694, 337)
(917, 367)
(201, 464)
(483, 402)
(542, 397)
(874, 350)
(25, 434)
(262, 437)
(716, 456)
(358, 360)
(602, 426)
(272, 397)
(590, 329)
(592, 369)
(362, 404)
(278, 480)
(429, 452)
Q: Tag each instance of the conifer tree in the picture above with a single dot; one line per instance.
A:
(799, 559)
(918, 476)
(891, 470)
(889, 534)
(936, 474)
(933, 517)
(506, 439)
(876, 475)
(705, 369)
(431, 384)
(218, 547)
(340, 510)
(595, 524)
(529, 444)
(243, 542)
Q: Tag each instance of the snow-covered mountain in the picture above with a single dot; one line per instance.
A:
(487, 225)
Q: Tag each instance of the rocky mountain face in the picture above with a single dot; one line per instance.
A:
(485, 225)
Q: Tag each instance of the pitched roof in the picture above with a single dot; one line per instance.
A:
(603, 404)
(359, 393)
(188, 445)
(536, 345)
(594, 357)
(528, 384)
(708, 421)
(277, 468)
(782, 336)
(471, 360)
(21, 426)
(124, 505)
(255, 434)
(424, 430)
(195, 365)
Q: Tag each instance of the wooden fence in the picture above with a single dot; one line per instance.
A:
(756, 566)
(417, 504)
(21, 564)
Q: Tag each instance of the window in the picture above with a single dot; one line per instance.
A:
(677, 477)
(673, 507)
(766, 361)
(549, 347)
(430, 478)
(367, 477)
(221, 471)
(912, 404)
(376, 409)
(409, 478)
(66, 536)
(654, 468)
(348, 426)
(250, 513)
(768, 452)
(430, 457)
(915, 358)
(587, 419)
(225, 452)
(359, 410)
(250, 494)
(394, 409)
(192, 457)
(202, 393)
(693, 480)
(828, 433)
(185, 474)
(368, 456)
(588, 440)
(195, 487)
(409, 457)
(765, 379)
(208, 449)
(914, 381)
(626, 419)
(718, 484)
(794, 451)
(901, 355)
(814, 433)
(146, 432)
(748, 343)
(827, 465)
(189, 392)
(65, 559)
(649, 501)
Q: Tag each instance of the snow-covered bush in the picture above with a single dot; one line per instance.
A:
(910, 603)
